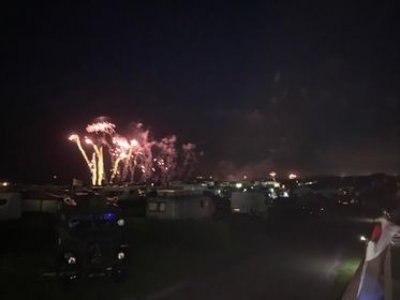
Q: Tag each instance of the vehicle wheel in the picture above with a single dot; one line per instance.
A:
(65, 275)
(66, 282)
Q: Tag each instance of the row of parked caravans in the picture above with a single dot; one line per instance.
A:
(181, 203)
(14, 204)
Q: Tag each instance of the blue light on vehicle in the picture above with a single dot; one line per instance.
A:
(110, 216)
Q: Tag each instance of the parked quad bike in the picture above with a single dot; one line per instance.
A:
(90, 239)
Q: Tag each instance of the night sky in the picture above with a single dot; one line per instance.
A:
(258, 86)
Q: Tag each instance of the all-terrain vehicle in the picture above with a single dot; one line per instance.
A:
(90, 239)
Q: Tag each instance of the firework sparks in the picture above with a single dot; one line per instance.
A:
(134, 143)
(88, 141)
(73, 137)
(101, 127)
(167, 158)
(189, 160)
(152, 159)
(123, 152)
(90, 163)
(99, 131)
(100, 164)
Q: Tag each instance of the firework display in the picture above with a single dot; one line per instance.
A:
(138, 158)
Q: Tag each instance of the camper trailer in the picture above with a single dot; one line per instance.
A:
(39, 200)
(10, 206)
(124, 193)
(179, 205)
(249, 202)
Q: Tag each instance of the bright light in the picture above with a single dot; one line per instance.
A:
(104, 127)
(5, 183)
(285, 194)
(272, 193)
(134, 143)
(309, 183)
(73, 137)
(363, 238)
(120, 141)
(72, 260)
(239, 185)
(88, 141)
(121, 222)
(236, 209)
(110, 216)
(292, 176)
(365, 220)
(272, 174)
(121, 255)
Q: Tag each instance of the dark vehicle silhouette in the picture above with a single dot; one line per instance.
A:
(90, 238)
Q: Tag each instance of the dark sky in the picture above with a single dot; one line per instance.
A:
(307, 87)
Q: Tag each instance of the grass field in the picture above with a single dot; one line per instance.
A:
(163, 253)
(343, 275)
(167, 253)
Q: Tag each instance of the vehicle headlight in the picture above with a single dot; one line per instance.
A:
(121, 255)
(71, 259)
(121, 222)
